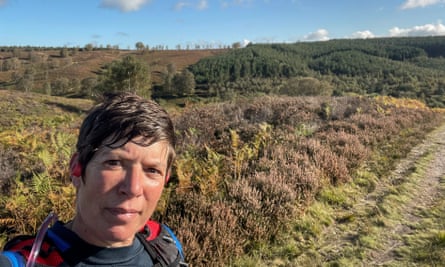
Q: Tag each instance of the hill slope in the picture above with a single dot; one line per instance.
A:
(242, 167)
(401, 67)
(50, 65)
(409, 67)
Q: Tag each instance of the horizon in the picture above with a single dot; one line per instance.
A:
(206, 24)
(134, 48)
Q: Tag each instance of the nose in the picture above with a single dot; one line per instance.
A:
(131, 185)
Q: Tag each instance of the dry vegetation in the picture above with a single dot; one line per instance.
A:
(84, 64)
(245, 170)
(248, 168)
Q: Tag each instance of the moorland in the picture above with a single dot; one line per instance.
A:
(279, 147)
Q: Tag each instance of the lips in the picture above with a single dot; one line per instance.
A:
(123, 214)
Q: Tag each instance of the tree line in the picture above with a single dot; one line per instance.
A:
(410, 67)
(402, 67)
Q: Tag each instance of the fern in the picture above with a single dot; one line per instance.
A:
(249, 151)
(30, 202)
(46, 157)
(61, 143)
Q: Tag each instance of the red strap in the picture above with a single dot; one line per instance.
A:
(52, 257)
(155, 229)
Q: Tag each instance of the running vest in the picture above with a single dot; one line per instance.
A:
(158, 240)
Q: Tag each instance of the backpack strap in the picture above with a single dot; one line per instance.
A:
(162, 245)
(20, 249)
(14, 259)
(158, 240)
(175, 239)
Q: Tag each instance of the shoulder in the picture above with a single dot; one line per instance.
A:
(162, 244)
(169, 233)
(155, 231)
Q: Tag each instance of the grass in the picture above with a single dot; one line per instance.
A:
(426, 245)
(311, 242)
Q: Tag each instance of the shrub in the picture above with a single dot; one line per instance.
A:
(245, 169)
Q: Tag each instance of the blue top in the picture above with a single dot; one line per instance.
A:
(79, 253)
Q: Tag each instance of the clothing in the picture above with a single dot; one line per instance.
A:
(62, 247)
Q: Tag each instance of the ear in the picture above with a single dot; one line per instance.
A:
(167, 177)
(75, 166)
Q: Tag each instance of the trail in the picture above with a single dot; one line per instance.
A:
(430, 155)
(385, 219)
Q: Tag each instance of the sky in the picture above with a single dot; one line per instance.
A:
(184, 24)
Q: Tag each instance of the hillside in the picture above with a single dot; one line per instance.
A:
(412, 67)
(242, 167)
(315, 140)
(28, 123)
(50, 65)
(409, 67)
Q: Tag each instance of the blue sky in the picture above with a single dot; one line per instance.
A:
(169, 23)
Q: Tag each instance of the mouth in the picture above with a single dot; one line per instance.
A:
(122, 214)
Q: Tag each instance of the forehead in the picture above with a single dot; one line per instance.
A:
(112, 141)
(141, 142)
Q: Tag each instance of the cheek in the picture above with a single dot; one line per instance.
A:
(152, 193)
(100, 180)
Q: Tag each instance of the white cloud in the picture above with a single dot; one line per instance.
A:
(319, 35)
(180, 5)
(423, 30)
(201, 5)
(245, 42)
(124, 5)
(225, 3)
(362, 35)
(420, 3)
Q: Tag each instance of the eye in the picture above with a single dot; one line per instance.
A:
(153, 172)
(113, 163)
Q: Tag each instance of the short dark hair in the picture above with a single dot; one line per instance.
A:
(124, 116)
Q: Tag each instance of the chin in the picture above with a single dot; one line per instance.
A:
(122, 234)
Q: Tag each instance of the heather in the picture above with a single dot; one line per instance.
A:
(246, 169)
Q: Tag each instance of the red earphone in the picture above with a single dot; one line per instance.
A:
(75, 166)
(76, 170)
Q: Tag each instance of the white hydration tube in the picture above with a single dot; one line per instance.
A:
(50, 219)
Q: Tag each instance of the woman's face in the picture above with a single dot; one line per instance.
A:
(119, 192)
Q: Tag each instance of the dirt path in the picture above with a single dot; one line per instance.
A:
(425, 191)
(383, 222)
